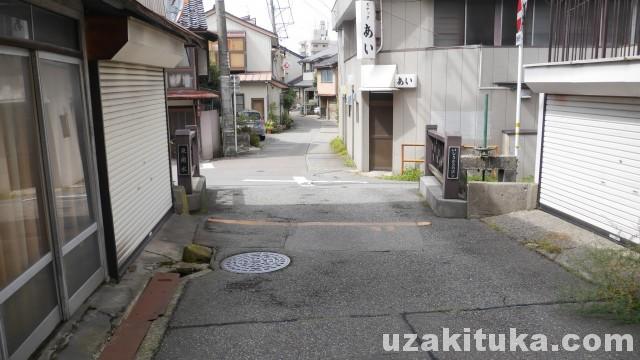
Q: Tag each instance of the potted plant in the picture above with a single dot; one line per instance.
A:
(269, 125)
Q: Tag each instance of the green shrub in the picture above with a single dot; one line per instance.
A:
(254, 139)
(338, 147)
(408, 175)
(288, 98)
(287, 121)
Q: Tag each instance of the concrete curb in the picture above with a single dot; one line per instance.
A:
(158, 328)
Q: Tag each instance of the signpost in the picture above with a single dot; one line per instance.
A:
(234, 80)
(366, 29)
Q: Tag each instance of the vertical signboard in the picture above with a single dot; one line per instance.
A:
(453, 163)
(183, 160)
(366, 29)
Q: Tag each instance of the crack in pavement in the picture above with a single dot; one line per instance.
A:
(357, 316)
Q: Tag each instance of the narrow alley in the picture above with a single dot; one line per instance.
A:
(363, 264)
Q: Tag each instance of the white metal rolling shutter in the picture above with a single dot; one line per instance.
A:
(591, 162)
(135, 131)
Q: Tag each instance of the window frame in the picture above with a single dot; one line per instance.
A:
(231, 38)
(322, 76)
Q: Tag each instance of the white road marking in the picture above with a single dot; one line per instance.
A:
(304, 182)
(207, 166)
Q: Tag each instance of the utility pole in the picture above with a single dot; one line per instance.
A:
(273, 17)
(228, 128)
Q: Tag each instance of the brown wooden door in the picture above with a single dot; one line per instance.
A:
(380, 131)
(258, 105)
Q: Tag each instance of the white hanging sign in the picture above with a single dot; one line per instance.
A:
(366, 28)
(406, 80)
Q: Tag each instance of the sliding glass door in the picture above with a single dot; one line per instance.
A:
(65, 125)
(50, 254)
(29, 301)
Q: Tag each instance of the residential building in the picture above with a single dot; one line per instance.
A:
(588, 159)
(84, 162)
(326, 74)
(255, 60)
(190, 100)
(457, 51)
(291, 66)
(307, 87)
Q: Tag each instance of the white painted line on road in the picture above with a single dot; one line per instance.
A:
(207, 166)
(304, 182)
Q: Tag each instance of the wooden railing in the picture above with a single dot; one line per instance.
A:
(442, 160)
(402, 158)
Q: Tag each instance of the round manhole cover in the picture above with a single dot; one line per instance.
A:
(255, 262)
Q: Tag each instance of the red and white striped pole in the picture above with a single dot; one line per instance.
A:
(522, 7)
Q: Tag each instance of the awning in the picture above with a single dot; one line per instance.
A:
(189, 94)
(377, 78)
(265, 76)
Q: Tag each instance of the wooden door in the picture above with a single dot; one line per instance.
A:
(380, 131)
(257, 104)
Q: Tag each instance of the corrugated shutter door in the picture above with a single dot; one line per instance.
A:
(135, 131)
(591, 162)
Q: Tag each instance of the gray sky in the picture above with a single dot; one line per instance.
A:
(307, 14)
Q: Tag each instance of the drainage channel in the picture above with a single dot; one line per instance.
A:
(255, 262)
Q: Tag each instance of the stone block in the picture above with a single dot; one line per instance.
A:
(496, 198)
(431, 189)
(194, 253)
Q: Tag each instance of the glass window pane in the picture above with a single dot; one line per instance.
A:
(449, 22)
(15, 19)
(542, 25)
(480, 16)
(236, 44)
(64, 119)
(22, 241)
(81, 262)
(236, 60)
(28, 307)
(55, 29)
(509, 17)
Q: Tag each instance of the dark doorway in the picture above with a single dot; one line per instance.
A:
(257, 104)
(380, 131)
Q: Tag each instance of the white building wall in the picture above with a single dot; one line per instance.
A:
(295, 68)
(258, 44)
(452, 83)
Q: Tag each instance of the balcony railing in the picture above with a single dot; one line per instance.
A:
(594, 29)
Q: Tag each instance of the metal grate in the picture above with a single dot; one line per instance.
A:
(255, 262)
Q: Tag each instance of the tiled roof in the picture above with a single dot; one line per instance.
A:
(192, 16)
(328, 62)
(328, 52)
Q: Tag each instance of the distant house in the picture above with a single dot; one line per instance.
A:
(190, 101)
(307, 86)
(588, 153)
(256, 61)
(326, 75)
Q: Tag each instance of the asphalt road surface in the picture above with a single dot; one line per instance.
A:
(364, 263)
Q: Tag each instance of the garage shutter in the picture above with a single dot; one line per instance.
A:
(135, 131)
(591, 162)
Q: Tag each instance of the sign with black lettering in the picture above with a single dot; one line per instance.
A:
(183, 160)
(366, 29)
(453, 162)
